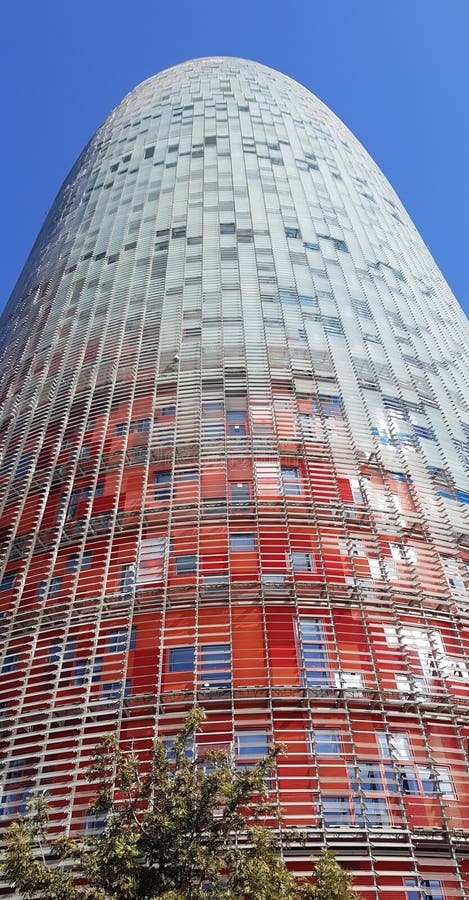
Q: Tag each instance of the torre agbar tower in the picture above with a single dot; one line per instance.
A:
(235, 452)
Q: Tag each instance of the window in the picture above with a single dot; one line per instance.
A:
(314, 661)
(73, 561)
(336, 811)
(411, 687)
(95, 823)
(97, 669)
(214, 431)
(326, 743)
(350, 682)
(80, 673)
(117, 641)
(227, 228)
(306, 424)
(302, 562)
(15, 769)
(54, 653)
(10, 663)
(423, 432)
(8, 581)
(351, 547)
(355, 488)
(185, 565)
(236, 422)
(408, 781)
(169, 742)
(329, 406)
(162, 480)
(239, 491)
(188, 475)
(127, 578)
(75, 498)
(371, 812)
(216, 582)
(453, 575)
(13, 803)
(339, 245)
(151, 559)
(55, 586)
(111, 690)
(366, 777)
(293, 232)
(181, 659)
(149, 152)
(252, 745)
(393, 746)
(79, 495)
(242, 541)
(23, 465)
(429, 889)
(69, 652)
(213, 406)
(291, 481)
(436, 781)
(215, 666)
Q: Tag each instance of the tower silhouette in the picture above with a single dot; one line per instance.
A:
(235, 437)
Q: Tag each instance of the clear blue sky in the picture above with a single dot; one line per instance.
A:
(395, 71)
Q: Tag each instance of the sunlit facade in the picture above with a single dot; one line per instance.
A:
(235, 435)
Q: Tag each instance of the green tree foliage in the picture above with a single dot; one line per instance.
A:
(177, 828)
(331, 881)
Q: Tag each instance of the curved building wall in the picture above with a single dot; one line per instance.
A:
(235, 438)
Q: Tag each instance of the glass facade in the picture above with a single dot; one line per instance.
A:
(235, 446)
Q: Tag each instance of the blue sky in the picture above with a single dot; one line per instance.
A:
(395, 71)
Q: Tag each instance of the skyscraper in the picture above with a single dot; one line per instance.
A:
(235, 437)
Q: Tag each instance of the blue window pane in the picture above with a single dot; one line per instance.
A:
(54, 653)
(253, 744)
(111, 690)
(8, 581)
(428, 783)
(10, 663)
(336, 812)
(313, 656)
(181, 659)
(215, 666)
(302, 562)
(117, 641)
(162, 482)
(242, 541)
(375, 812)
(189, 475)
(97, 669)
(186, 565)
(327, 743)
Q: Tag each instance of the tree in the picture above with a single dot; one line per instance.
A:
(331, 881)
(177, 827)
